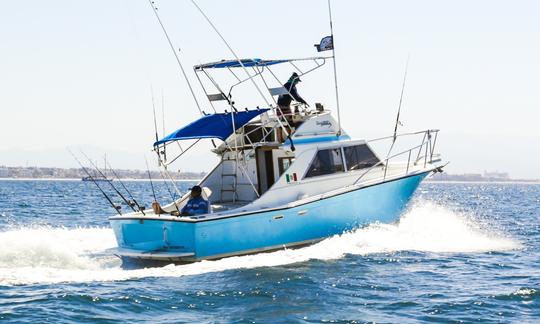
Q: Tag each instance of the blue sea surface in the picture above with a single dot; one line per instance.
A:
(461, 252)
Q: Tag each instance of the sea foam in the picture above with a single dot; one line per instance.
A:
(53, 255)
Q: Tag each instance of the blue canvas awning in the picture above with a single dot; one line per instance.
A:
(235, 63)
(212, 126)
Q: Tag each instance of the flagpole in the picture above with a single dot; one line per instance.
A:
(335, 67)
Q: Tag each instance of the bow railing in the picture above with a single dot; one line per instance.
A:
(425, 153)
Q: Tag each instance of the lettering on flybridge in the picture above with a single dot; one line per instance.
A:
(324, 123)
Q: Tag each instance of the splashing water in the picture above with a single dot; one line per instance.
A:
(51, 255)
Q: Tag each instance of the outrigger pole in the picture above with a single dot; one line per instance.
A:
(335, 66)
(250, 77)
(155, 10)
(116, 208)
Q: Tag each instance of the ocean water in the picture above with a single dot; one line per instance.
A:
(459, 253)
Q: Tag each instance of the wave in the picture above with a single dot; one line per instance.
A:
(53, 255)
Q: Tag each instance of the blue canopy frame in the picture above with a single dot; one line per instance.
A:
(219, 125)
(235, 63)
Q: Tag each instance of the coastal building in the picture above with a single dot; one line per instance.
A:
(496, 175)
(4, 172)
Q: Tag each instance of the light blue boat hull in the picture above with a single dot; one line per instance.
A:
(264, 231)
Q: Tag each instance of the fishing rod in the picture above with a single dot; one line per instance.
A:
(401, 97)
(150, 177)
(156, 130)
(400, 103)
(116, 208)
(169, 190)
(163, 124)
(129, 203)
(155, 123)
(132, 201)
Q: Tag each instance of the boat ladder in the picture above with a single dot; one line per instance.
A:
(229, 180)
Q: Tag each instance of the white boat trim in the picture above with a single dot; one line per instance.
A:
(305, 201)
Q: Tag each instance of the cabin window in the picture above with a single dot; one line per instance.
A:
(359, 157)
(326, 162)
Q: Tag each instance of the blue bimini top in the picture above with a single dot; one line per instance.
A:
(238, 63)
(219, 125)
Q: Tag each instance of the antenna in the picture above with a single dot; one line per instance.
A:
(335, 66)
(155, 10)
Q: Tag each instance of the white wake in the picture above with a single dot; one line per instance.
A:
(52, 255)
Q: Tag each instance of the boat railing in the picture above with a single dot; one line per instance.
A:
(426, 153)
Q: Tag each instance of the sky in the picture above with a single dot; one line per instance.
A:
(78, 73)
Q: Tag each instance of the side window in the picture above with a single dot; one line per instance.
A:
(359, 157)
(326, 162)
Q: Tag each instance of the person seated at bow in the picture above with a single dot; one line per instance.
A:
(196, 204)
(284, 100)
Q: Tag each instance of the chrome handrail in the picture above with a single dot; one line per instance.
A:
(427, 143)
(403, 135)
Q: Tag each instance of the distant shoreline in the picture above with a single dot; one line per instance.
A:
(485, 181)
(76, 174)
(197, 180)
(73, 174)
(78, 179)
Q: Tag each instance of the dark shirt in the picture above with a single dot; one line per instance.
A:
(285, 99)
(195, 206)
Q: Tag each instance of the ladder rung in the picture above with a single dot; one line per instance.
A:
(228, 175)
(228, 190)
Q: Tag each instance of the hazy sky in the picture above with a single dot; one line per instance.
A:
(77, 73)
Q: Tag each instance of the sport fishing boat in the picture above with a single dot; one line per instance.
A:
(282, 180)
(272, 189)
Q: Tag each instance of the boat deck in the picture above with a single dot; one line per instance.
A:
(225, 206)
